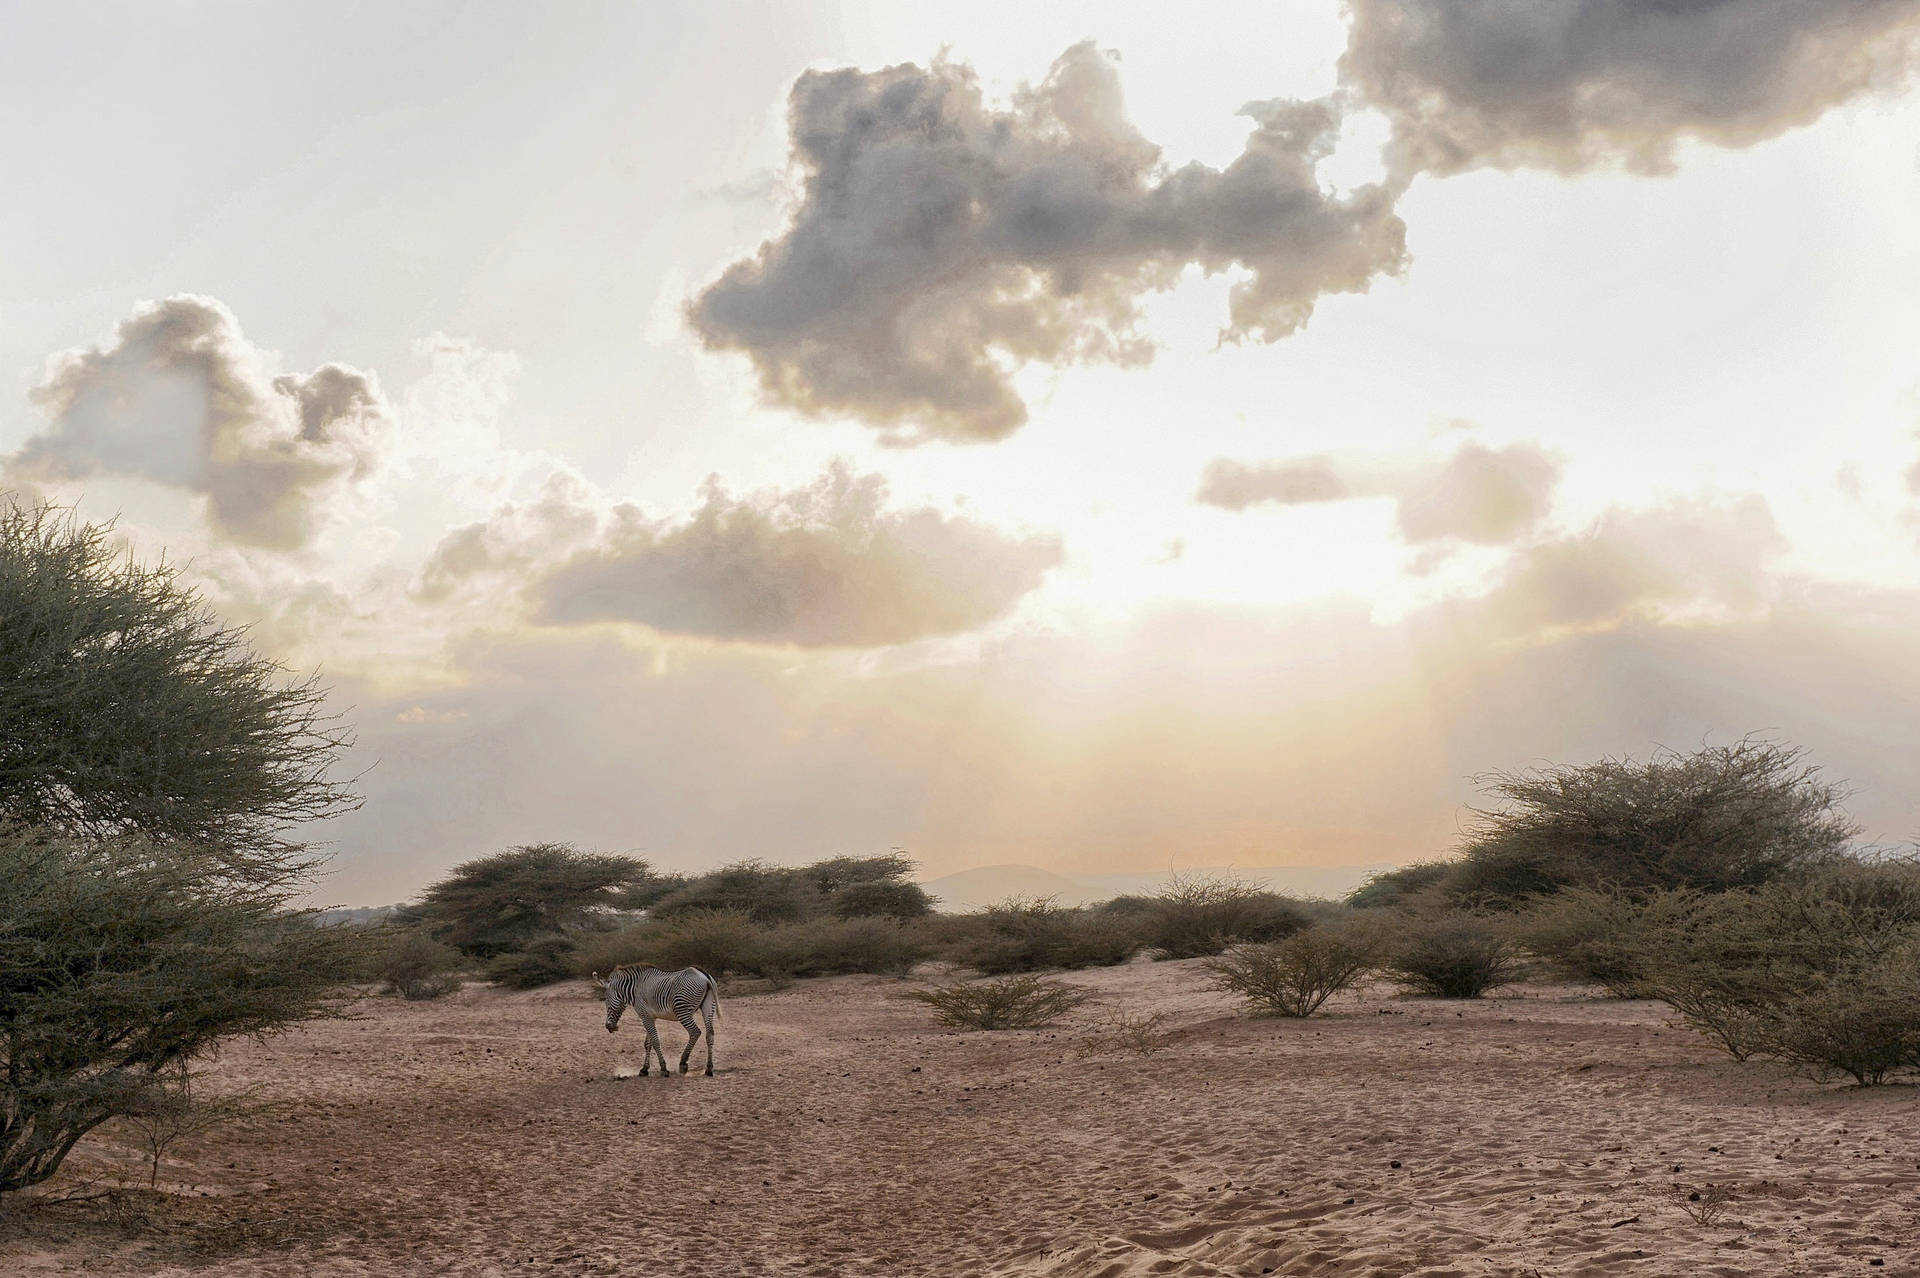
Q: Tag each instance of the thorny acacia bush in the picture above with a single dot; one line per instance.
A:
(1023, 1001)
(1603, 934)
(1722, 817)
(1196, 915)
(1823, 973)
(1392, 889)
(1452, 956)
(415, 966)
(1021, 935)
(829, 946)
(544, 960)
(1295, 976)
(1141, 1033)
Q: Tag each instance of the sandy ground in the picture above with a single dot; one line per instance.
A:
(1540, 1134)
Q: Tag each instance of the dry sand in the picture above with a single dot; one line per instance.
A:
(1541, 1134)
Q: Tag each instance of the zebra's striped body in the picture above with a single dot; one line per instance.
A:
(654, 993)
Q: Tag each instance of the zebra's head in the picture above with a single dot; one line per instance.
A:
(616, 998)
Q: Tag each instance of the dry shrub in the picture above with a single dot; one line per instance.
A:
(1823, 973)
(1453, 956)
(1023, 1001)
(1602, 934)
(1023, 935)
(1704, 1205)
(545, 960)
(1293, 977)
(1140, 1033)
(1197, 915)
(416, 967)
(720, 941)
(826, 946)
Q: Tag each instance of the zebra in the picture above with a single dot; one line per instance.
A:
(656, 993)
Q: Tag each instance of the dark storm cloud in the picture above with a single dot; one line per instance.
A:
(827, 565)
(1570, 84)
(181, 397)
(1491, 496)
(941, 242)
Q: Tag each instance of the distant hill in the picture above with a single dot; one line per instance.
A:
(987, 884)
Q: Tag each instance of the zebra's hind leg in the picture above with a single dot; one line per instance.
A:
(693, 1036)
(708, 1012)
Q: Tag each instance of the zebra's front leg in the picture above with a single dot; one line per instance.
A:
(693, 1036)
(652, 1049)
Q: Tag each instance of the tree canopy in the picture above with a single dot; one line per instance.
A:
(126, 706)
(1721, 817)
(503, 902)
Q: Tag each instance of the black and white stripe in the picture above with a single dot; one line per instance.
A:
(654, 993)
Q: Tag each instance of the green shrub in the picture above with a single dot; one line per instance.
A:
(1863, 1023)
(545, 960)
(416, 967)
(1604, 935)
(1294, 976)
(880, 898)
(1453, 956)
(1010, 1002)
(825, 947)
(719, 941)
(1720, 818)
(1195, 915)
(836, 872)
(1819, 973)
(1395, 888)
(765, 893)
(1023, 936)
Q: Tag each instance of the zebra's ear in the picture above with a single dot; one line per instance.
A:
(598, 982)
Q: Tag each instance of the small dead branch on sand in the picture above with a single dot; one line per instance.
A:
(1703, 1205)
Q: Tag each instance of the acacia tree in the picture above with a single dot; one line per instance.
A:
(1722, 817)
(151, 764)
(126, 706)
(501, 903)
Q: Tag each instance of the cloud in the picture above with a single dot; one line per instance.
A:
(179, 396)
(519, 537)
(1485, 495)
(1235, 485)
(1489, 496)
(941, 242)
(1685, 562)
(1572, 84)
(827, 565)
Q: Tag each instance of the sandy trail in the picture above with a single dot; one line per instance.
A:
(1540, 1134)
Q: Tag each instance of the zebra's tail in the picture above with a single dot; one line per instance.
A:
(713, 991)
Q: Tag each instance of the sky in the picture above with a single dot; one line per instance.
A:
(1055, 434)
